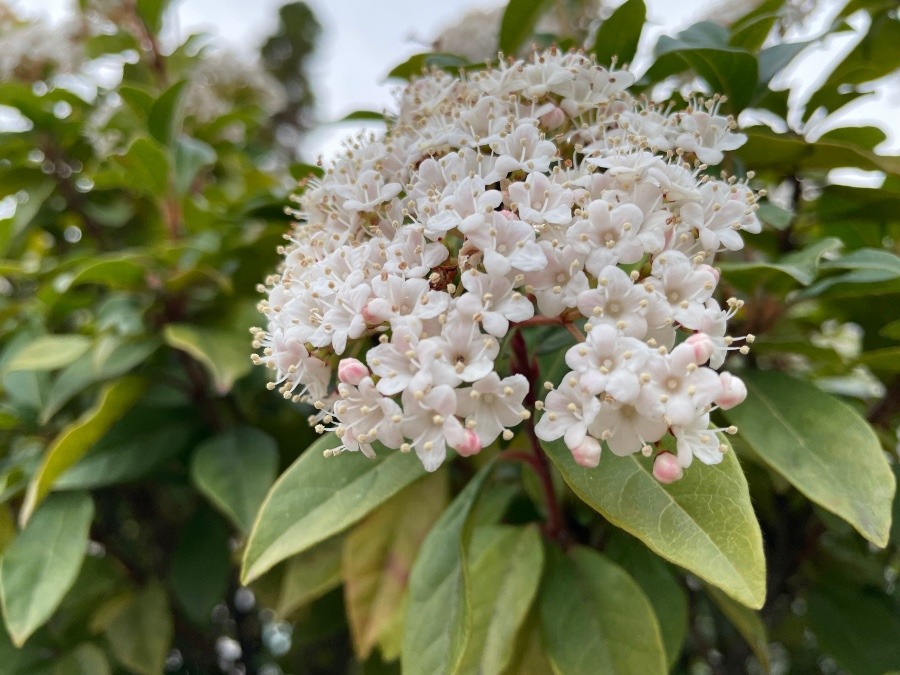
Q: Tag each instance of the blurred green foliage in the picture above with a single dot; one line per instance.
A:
(143, 197)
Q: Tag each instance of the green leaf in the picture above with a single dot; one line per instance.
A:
(789, 153)
(885, 360)
(519, 20)
(800, 267)
(363, 115)
(146, 166)
(124, 356)
(50, 352)
(857, 626)
(620, 34)
(201, 566)
(821, 446)
(86, 659)
(225, 355)
(710, 507)
(11, 228)
(747, 622)
(414, 66)
(309, 576)
(440, 590)
(77, 438)
(41, 564)
(152, 12)
(165, 114)
(703, 48)
(143, 439)
(867, 265)
(235, 470)
(864, 137)
(505, 565)
(141, 632)
(379, 554)
(595, 619)
(318, 497)
(191, 155)
(665, 593)
(774, 59)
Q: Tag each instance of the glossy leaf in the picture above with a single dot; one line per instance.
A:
(235, 470)
(440, 592)
(41, 564)
(595, 618)
(800, 267)
(821, 446)
(50, 352)
(78, 437)
(519, 20)
(141, 632)
(619, 35)
(146, 166)
(310, 575)
(164, 121)
(379, 554)
(226, 356)
(318, 497)
(505, 566)
(710, 507)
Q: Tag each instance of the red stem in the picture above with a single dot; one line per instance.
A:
(555, 526)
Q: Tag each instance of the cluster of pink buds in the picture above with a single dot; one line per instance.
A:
(536, 192)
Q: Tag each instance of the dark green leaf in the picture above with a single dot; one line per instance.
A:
(201, 566)
(595, 619)
(620, 34)
(235, 470)
(191, 155)
(141, 632)
(165, 115)
(748, 623)
(519, 20)
(146, 166)
(416, 65)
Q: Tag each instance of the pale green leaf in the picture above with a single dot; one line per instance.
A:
(50, 352)
(41, 564)
(235, 470)
(505, 566)
(86, 659)
(703, 522)
(140, 633)
(318, 497)
(78, 437)
(595, 618)
(440, 591)
(379, 554)
(822, 446)
(225, 355)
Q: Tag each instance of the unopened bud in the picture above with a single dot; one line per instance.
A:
(666, 469)
(352, 371)
(734, 391)
(587, 454)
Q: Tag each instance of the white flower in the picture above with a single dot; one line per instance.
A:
(491, 405)
(492, 301)
(608, 235)
(568, 412)
(365, 416)
(608, 362)
(429, 420)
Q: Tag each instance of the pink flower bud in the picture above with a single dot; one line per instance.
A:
(375, 311)
(588, 453)
(471, 445)
(734, 391)
(352, 371)
(702, 345)
(509, 215)
(553, 119)
(666, 469)
(710, 269)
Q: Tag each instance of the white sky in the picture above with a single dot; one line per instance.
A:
(362, 40)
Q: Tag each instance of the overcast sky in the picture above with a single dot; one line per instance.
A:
(362, 40)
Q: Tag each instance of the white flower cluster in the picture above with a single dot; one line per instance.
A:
(530, 193)
(35, 50)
